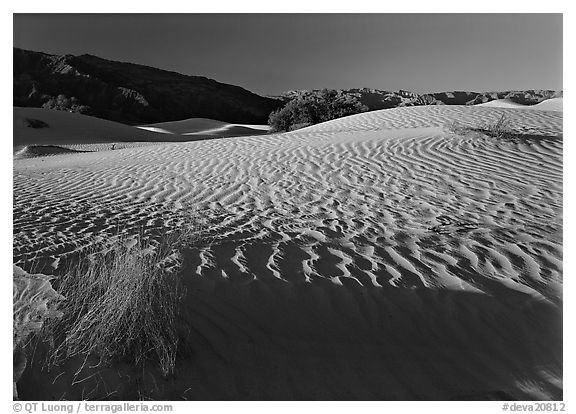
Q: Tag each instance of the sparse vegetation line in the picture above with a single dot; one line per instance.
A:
(501, 129)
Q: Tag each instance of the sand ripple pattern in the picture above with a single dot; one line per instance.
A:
(544, 122)
(388, 201)
(405, 208)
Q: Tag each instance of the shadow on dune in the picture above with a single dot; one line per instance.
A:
(30, 151)
(273, 340)
(237, 131)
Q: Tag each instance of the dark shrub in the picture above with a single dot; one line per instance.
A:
(313, 107)
(64, 103)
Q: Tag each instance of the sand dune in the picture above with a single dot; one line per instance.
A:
(40, 127)
(154, 129)
(207, 127)
(49, 127)
(41, 151)
(504, 103)
(553, 104)
(187, 126)
(377, 256)
(544, 123)
(232, 130)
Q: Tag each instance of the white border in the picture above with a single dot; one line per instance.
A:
(303, 6)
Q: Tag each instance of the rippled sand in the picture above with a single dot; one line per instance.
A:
(378, 256)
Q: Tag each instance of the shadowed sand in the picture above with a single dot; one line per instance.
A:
(39, 131)
(195, 128)
(38, 126)
(377, 256)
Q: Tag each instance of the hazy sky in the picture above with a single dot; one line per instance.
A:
(271, 53)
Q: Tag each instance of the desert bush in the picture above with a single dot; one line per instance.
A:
(501, 129)
(122, 304)
(310, 108)
(64, 103)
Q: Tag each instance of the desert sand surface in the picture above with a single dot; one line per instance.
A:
(61, 127)
(504, 103)
(377, 256)
(39, 131)
(206, 127)
(553, 104)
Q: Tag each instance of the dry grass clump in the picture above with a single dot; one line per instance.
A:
(501, 129)
(122, 304)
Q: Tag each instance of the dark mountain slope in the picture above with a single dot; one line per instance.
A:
(129, 93)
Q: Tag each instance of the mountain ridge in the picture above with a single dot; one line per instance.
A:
(128, 92)
(136, 94)
(375, 99)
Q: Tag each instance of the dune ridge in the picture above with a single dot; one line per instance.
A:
(41, 128)
(206, 127)
(552, 104)
(377, 256)
(440, 116)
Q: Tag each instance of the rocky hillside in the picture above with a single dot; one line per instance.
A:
(375, 99)
(129, 93)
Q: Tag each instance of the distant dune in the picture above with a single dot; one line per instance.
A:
(41, 151)
(503, 103)
(38, 126)
(377, 256)
(39, 131)
(208, 127)
(154, 129)
(187, 126)
(553, 104)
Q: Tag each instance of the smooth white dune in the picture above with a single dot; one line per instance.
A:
(190, 125)
(377, 256)
(442, 116)
(552, 104)
(254, 126)
(228, 127)
(48, 129)
(38, 126)
(503, 103)
(155, 129)
(207, 127)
